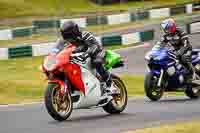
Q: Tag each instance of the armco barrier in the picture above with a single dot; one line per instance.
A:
(146, 35)
(139, 15)
(178, 10)
(96, 20)
(196, 6)
(111, 40)
(119, 18)
(82, 22)
(6, 34)
(42, 49)
(43, 24)
(189, 8)
(45, 48)
(21, 51)
(193, 27)
(22, 32)
(131, 38)
(157, 13)
(110, 19)
(3, 53)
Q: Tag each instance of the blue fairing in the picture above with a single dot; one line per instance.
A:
(160, 57)
(155, 72)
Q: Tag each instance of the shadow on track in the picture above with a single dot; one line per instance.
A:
(87, 118)
(174, 100)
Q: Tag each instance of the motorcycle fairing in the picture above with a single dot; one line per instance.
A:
(73, 72)
(163, 59)
(160, 57)
(92, 90)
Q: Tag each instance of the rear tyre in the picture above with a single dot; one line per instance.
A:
(119, 102)
(192, 93)
(151, 89)
(58, 105)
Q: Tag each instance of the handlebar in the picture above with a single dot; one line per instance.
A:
(76, 54)
(82, 56)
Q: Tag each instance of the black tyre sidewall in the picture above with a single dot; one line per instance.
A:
(148, 88)
(49, 104)
(189, 92)
(110, 108)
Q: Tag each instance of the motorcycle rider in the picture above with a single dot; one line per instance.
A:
(87, 43)
(178, 39)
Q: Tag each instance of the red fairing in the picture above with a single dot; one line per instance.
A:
(73, 73)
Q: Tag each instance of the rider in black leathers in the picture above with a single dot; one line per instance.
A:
(87, 43)
(179, 40)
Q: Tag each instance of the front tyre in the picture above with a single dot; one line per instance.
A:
(151, 89)
(58, 105)
(119, 102)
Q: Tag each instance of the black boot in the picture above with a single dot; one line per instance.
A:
(191, 76)
(107, 82)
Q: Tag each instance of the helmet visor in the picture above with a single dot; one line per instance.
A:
(68, 36)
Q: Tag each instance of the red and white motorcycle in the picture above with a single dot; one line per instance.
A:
(74, 84)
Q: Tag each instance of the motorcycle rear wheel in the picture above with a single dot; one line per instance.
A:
(119, 102)
(59, 106)
(192, 93)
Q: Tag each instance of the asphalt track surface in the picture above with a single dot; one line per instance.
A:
(140, 112)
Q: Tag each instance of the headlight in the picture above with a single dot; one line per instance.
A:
(147, 57)
(50, 64)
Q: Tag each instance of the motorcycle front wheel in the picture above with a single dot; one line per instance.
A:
(119, 102)
(58, 105)
(151, 89)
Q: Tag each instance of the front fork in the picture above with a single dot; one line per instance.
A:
(160, 78)
(63, 85)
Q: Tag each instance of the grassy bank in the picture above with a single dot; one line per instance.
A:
(19, 8)
(189, 127)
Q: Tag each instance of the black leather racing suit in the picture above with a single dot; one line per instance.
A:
(180, 43)
(88, 44)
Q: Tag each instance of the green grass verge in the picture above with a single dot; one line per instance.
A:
(21, 80)
(187, 127)
(16, 8)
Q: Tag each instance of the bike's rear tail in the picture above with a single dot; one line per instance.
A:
(113, 60)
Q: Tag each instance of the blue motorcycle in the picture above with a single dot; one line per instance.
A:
(165, 73)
